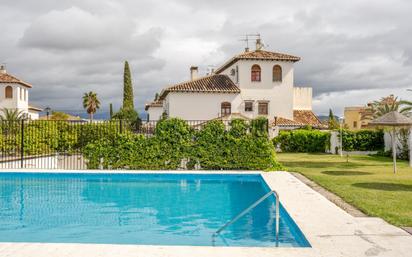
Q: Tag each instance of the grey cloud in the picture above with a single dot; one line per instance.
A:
(68, 47)
(75, 28)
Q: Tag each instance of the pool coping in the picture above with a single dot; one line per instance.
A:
(330, 230)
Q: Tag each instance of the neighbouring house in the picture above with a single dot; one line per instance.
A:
(355, 118)
(251, 84)
(15, 95)
(154, 110)
(358, 117)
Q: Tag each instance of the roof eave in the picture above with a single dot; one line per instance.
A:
(236, 59)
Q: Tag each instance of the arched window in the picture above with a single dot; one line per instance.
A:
(255, 74)
(277, 73)
(9, 92)
(225, 108)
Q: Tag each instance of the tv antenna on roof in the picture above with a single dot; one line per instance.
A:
(250, 37)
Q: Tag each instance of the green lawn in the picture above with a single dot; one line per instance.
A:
(365, 182)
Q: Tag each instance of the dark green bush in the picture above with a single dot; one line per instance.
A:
(363, 140)
(212, 147)
(239, 145)
(303, 141)
(259, 127)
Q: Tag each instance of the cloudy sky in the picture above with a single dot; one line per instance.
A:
(352, 51)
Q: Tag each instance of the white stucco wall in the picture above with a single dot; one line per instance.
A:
(278, 94)
(199, 106)
(302, 98)
(34, 115)
(19, 100)
(155, 113)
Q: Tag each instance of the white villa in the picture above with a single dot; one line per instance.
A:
(251, 84)
(15, 95)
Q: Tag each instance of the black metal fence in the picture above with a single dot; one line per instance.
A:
(51, 144)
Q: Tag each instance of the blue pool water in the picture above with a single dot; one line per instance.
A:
(153, 209)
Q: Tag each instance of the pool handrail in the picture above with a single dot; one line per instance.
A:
(233, 220)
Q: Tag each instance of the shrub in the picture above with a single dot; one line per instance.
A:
(39, 138)
(174, 137)
(91, 132)
(363, 140)
(216, 148)
(212, 147)
(303, 140)
(259, 127)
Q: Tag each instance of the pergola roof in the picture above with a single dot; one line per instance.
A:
(392, 119)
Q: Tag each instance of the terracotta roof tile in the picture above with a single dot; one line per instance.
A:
(210, 84)
(157, 103)
(7, 78)
(259, 55)
(307, 117)
(300, 118)
(34, 108)
(266, 55)
(283, 122)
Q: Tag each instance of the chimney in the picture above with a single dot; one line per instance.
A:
(3, 69)
(193, 72)
(247, 49)
(259, 44)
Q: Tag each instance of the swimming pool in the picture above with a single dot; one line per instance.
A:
(144, 209)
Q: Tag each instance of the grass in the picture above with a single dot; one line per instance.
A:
(366, 182)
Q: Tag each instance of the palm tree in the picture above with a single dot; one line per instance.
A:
(385, 105)
(11, 115)
(390, 104)
(10, 120)
(406, 106)
(91, 103)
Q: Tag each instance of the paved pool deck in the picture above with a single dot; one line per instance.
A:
(331, 231)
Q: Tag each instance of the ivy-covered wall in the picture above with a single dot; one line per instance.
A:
(311, 141)
(303, 141)
(363, 140)
(213, 147)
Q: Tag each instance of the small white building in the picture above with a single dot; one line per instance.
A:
(251, 84)
(154, 110)
(14, 94)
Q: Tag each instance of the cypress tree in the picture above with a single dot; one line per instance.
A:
(331, 116)
(111, 110)
(332, 122)
(127, 88)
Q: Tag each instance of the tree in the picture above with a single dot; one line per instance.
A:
(11, 115)
(111, 110)
(127, 88)
(91, 103)
(388, 104)
(332, 122)
(126, 114)
(59, 116)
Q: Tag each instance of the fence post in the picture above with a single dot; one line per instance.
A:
(22, 145)
(121, 126)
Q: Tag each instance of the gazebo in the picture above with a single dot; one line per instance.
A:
(393, 120)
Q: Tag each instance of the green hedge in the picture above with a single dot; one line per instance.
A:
(363, 140)
(48, 137)
(310, 141)
(237, 145)
(213, 147)
(303, 141)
